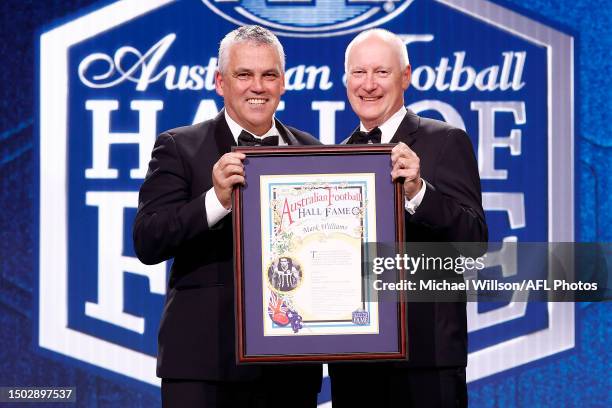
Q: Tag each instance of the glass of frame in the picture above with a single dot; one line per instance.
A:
(300, 225)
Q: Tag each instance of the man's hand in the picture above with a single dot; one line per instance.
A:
(406, 165)
(227, 172)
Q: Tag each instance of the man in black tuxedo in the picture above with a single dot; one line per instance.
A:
(184, 213)
(438, 169)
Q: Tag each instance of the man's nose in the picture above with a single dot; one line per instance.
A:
(257, 85)
(369, 83)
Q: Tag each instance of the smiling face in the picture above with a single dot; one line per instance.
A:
(251, 85)
(375, 80)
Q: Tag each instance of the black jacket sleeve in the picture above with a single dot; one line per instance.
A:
(167, 214)
(452, 205)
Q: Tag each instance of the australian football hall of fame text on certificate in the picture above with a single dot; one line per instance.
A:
(313, 228)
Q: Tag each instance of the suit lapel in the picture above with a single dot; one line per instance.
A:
(348, 139)
(285, 133)
(225, 140)
(407, 130)
(223, 134)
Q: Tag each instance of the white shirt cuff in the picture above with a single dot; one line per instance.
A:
(412, 205)
(214, 210)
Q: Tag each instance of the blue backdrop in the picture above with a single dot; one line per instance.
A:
(29, 356)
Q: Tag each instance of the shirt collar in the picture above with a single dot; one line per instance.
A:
(235, 128)
(390, 126)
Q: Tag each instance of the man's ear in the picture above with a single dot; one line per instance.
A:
(219, 83)
(406, 76)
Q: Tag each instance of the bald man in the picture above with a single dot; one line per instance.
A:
(436, 164)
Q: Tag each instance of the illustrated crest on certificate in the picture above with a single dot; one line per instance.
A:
(313, 228)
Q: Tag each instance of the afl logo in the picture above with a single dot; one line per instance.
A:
(309, 18)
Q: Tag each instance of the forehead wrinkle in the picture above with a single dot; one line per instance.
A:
(366, 67)
(233, 50)
(373, 39)
(275, 68)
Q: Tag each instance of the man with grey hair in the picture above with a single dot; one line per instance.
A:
(184, 213)
(436, 165)
(251, 33)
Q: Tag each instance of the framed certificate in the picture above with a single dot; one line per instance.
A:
(301, 223)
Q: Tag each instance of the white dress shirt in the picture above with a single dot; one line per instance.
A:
(214, 210)
(388, 130)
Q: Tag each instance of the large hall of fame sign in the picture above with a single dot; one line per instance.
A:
(112, 78)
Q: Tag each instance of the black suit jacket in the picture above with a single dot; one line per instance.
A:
(451, 211)
(197, 334)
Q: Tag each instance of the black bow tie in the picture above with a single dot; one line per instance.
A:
(247, 139)
(359, 137)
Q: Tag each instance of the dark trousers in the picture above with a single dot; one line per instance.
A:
(224, 394)
(372, 385)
